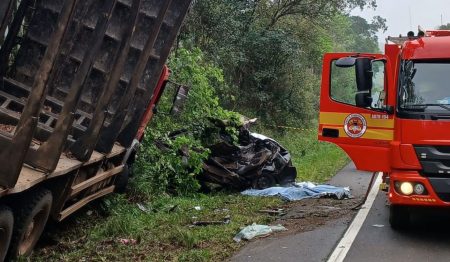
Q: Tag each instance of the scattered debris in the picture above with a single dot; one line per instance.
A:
(225, 221)
(69, 155)
(377, 225)
(252, 231)
(221, 210)
(7, 128)
(143, 208)
(126, 241)
(329, 207)
(89, 213)
(172, 208)
(301, 191)
(198, 208)
(274, 212)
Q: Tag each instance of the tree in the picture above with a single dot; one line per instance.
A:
(365, 38)
(444, 27)
(311, 9)
(271, 50)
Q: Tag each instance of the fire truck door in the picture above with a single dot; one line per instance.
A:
(354, 111)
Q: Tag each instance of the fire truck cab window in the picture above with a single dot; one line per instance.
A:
(425, 85)
(343, 87)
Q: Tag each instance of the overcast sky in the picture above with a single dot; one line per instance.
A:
(405, 15)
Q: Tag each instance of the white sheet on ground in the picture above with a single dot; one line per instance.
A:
(301, 191)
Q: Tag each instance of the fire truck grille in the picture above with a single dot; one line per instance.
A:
(435, 160)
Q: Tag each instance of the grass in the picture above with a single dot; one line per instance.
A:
(164, 233)
(315, 161)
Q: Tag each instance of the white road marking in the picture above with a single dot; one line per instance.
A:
(341, 250)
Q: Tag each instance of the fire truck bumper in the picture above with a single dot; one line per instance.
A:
(410, 188)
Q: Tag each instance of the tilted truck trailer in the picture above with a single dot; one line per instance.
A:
(391, 113)
(79, 82)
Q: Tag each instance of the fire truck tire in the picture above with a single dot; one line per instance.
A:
(31, 216)
(122, 179)
(399, 217)
(6, 230)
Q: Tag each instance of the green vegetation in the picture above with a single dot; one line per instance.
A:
(160, 168)
(163, 233)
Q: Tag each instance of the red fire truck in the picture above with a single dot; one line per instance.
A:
(391, 113)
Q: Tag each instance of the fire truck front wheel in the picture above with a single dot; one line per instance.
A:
(399, 216)
(31, 216)
(6, 229)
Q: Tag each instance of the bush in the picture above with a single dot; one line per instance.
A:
(173, 167)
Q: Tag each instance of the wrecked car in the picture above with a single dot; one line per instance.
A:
(257, 162)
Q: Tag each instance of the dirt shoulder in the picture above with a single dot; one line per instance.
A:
(308, 214)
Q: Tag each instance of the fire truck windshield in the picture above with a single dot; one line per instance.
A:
(424, 86)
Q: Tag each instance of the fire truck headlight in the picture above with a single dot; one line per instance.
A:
(419, 189)
(406, 188)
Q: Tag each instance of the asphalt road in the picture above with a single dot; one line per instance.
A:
(428, 239)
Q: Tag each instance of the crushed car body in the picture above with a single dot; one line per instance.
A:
(257, 162)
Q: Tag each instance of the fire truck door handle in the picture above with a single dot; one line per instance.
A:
(330, 132)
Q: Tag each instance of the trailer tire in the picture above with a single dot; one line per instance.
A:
(122, 179)
(399, 217)
(31, 217)
(6, 230)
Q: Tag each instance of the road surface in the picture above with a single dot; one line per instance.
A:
(373, 239)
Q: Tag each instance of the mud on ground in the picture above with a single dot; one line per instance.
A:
(308, 214)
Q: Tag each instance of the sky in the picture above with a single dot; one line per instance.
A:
(405, 15)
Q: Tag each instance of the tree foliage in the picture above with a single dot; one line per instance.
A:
(444, 27)
(271, 50)
(169, 164)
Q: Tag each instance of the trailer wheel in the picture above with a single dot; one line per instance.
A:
(6, 230)
(31, 217)
(264, 181)
(399, 217)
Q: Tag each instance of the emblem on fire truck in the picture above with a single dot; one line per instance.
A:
(355, 125)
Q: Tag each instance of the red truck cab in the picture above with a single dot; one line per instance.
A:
(157, 93)
(391, 113)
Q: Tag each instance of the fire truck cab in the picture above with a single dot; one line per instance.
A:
(391, 113)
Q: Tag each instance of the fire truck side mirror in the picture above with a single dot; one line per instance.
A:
(179, 100)
(364, 82)
(346, 61)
